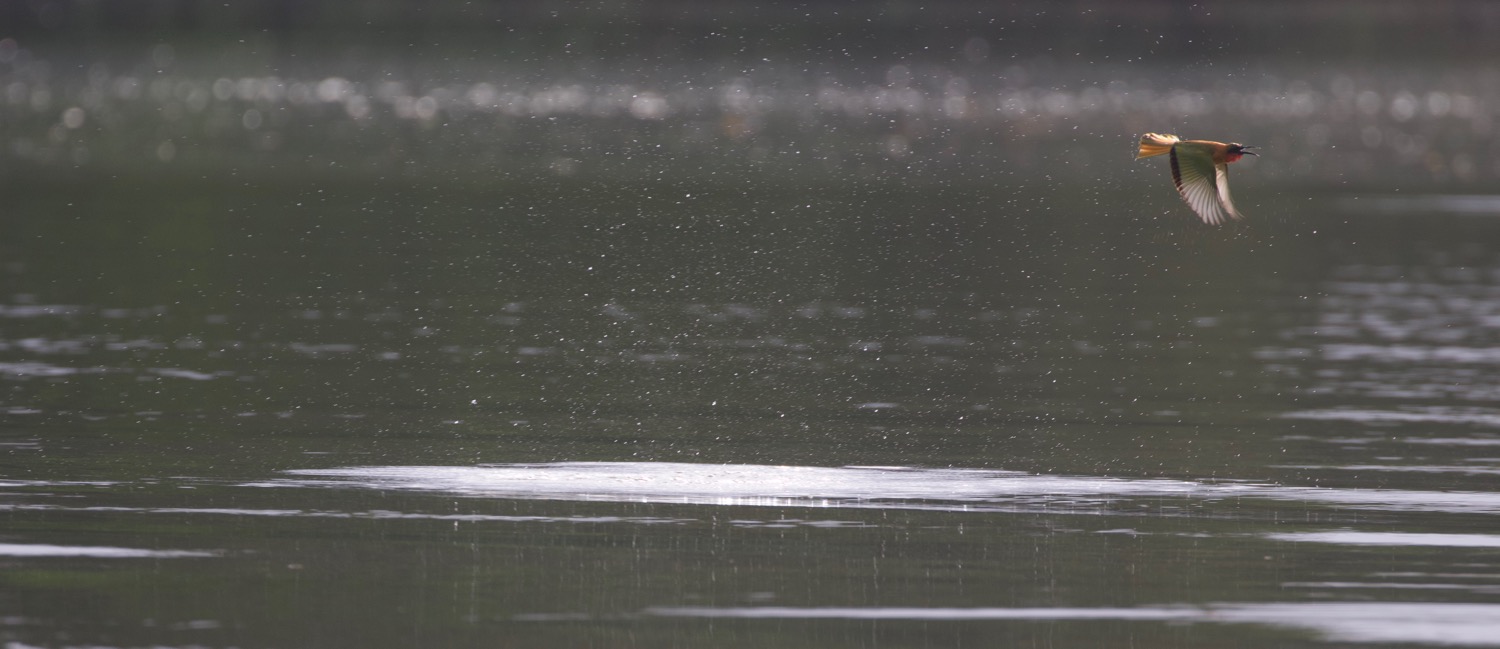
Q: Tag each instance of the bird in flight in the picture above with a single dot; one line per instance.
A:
(1200, 169)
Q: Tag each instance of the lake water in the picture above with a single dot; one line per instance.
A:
(747, 327)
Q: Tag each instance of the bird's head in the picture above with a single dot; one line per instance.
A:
(1237, 150)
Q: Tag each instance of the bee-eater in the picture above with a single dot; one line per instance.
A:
(1200, 169)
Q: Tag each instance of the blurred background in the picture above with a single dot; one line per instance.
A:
(605, 252)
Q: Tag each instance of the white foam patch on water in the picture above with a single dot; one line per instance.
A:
(863, 487)
(1469, 625)
(94, 552)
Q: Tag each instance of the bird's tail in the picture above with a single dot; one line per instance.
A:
(1155, 144)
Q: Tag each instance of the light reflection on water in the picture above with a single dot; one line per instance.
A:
(37, 550)
(1410, 414)
(1406, 347)
(1474, 625)
(1473, 204)
(363, 515)
(1351, 537)
(853, 487)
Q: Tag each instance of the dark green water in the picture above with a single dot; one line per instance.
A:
(747, 327)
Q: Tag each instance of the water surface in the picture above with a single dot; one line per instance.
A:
(560, 335)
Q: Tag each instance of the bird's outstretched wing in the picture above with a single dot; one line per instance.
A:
(1204, 186)
(1221, 179)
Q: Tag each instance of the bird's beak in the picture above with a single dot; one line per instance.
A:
(1246, 150)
